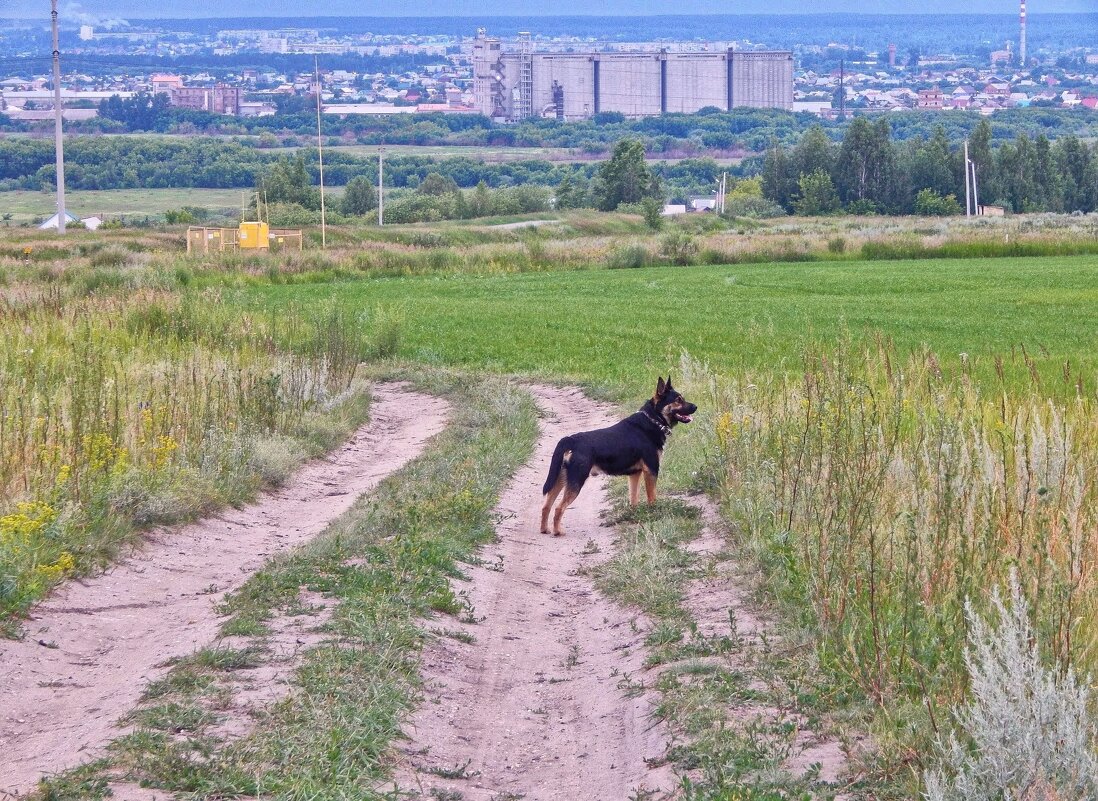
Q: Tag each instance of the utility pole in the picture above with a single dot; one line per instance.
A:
(58, 145)
(842, 90)
(320, 156)
(380, 186)
(968, 199)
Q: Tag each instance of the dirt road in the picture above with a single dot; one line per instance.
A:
(94, 645)
(542, 705)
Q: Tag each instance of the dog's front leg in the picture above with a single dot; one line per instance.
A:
(634, 488)
(650, 487)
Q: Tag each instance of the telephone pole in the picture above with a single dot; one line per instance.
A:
(320, 158)
(380, 186)
(58, 145)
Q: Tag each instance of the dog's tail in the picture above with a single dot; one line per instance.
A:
(562, 448)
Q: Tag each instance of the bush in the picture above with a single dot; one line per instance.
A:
(678, 247)
(929, 203)
(1026, 732)
(629, 256)
(755, 208)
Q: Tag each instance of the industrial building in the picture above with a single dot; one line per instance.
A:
(516, 84)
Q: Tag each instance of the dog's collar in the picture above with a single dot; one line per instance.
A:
(666, 429)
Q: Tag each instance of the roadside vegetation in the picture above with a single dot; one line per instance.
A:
(127, 408)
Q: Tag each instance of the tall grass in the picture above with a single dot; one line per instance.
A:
(120, 411)
(881, 494)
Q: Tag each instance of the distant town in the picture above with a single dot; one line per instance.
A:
(221, 71)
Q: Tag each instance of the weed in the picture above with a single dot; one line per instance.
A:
(455, 772)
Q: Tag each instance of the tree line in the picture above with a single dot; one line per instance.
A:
(740, 131)
(205, 162)
(869, 171)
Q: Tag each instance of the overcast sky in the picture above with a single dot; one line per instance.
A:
(420, 8)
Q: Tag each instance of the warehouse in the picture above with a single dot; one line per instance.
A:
(514, 85)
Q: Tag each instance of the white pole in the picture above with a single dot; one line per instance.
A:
(320, 155)
(58, 145)
(975, 192)
(968, 199)
(380, 186)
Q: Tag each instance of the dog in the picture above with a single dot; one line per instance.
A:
(632, 447)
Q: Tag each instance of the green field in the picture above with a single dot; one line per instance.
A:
(26, 205)
(620, 326)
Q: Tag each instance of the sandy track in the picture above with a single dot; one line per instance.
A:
(536, 706)
(93, 646)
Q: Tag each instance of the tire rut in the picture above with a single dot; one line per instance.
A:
(92, 647)
(542, 705)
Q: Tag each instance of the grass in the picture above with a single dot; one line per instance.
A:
(26, 205)
(388, 562)
(121, 411)
(622, 327)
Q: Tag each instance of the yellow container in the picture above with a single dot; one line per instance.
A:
(254, 235)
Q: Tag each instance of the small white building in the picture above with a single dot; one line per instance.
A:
(673, 210)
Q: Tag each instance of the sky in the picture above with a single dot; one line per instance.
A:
(421, 8)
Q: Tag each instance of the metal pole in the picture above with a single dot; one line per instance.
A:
(968, 200)
(975, 192)
(58, 145)
(320, 155)
(380, 186)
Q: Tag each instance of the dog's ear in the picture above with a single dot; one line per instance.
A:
(661, 388)
(668, 382)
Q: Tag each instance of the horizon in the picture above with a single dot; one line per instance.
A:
(462, 9)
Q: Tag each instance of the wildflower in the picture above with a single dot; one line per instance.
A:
(28, 519)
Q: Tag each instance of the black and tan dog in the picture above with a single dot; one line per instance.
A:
(631, 448)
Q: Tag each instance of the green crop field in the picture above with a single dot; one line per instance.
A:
(618, 326)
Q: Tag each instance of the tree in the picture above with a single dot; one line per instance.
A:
(979, 151)
(572, 193)
(360, 197)
(481, 205)
(929, 203)
(817, 195)
(779, 180)
(814, 152)
(435, 184)
(287, 181)
(866, 167)
(652, 210)
(932, 165)
(625, 178)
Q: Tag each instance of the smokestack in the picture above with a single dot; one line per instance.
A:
(1022, 37)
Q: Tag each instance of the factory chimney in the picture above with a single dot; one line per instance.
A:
(1022, 37)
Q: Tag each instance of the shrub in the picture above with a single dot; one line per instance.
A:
(929, 203)
(629, 256)
(678, 247)
(1026, 732)
(755, 208)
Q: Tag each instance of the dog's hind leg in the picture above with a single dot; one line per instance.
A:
(551, 496)
(569, 498)
(577, 472)
(634, 488)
